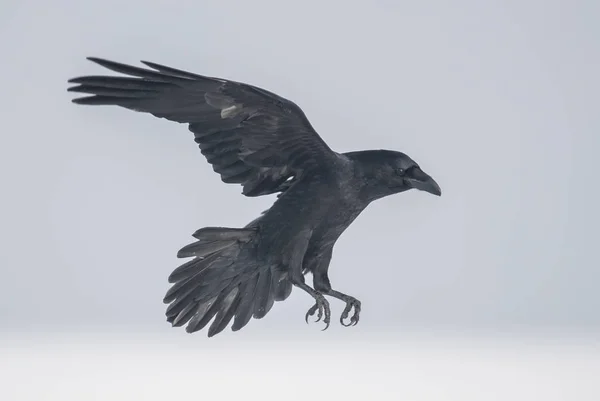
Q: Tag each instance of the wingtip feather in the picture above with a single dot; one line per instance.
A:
(83, 100)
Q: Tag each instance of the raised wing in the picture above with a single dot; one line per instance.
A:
(250, 136)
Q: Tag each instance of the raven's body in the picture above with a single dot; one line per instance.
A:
(265, 143)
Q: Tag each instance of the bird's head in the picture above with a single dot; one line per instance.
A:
(387, 172)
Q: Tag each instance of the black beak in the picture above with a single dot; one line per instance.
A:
(418, 179)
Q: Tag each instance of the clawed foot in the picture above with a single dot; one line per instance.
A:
(350, 303)
(322, 307)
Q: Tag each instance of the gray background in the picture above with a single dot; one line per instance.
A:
(498, 101)
(487, 293)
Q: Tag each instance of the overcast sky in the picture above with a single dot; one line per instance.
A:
(497, 100)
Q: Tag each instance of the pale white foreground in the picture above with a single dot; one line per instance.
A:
(115, 367)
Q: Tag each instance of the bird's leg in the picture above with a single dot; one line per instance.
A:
(321, 304)
(351, 302)
(297, 278)
(322, 284)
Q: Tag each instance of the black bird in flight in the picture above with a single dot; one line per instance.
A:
(266, 143)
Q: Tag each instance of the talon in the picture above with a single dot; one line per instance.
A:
(327, 317)
(319, 314)
(355, 318)
(345, 315)
(311, 312)
(322, 307)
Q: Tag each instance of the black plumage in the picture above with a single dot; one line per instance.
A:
(265, 143)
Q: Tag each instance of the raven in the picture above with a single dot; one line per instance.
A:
(266, 143)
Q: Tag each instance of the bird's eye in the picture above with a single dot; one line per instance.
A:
(400, 171)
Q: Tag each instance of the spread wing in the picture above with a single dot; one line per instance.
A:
(250, 136)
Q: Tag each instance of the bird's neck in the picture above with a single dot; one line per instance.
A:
(367, 182)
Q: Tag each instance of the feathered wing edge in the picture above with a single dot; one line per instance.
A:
(222, 282)
(174, 94)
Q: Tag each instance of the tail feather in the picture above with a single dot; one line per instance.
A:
(190, 268)
(186, 314)
(226, 310)
(209, 234)
(200, 319)
(197, 294)
(206, 312)
(245, 308)
(224, 281)
(264, 295)
(199, 278)
(282, 285)
(201, 249)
